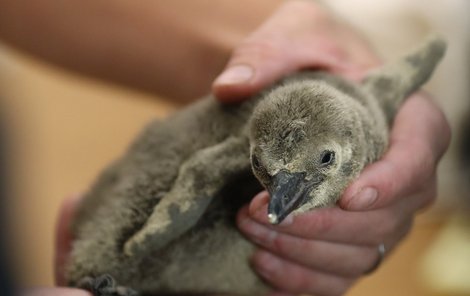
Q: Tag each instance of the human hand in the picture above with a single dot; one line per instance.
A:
(62, 250)
(323, 252)
(63, 245)
(299, 35)
(55, 291)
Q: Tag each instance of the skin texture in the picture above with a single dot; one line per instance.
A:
(401, 183)
(160, 219)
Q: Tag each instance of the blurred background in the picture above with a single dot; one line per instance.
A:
(62, 129)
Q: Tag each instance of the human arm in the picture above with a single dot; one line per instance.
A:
(173, 48)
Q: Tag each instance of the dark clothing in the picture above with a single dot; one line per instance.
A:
(6, 287)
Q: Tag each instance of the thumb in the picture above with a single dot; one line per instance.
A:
(418, 141)
(252, 66)
(403, 171)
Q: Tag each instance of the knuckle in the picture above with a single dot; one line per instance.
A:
(388, 226)
(321, 224)
(279, 243)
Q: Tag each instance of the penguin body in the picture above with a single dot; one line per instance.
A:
(162, 218)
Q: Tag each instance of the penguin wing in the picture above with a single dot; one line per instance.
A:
(204, 174)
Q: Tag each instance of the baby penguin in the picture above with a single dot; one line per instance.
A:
(161, 218)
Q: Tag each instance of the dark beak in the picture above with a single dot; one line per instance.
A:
(288, 191)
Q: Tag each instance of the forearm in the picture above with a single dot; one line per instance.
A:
(175, 48)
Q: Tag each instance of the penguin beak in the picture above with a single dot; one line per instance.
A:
(288, 191)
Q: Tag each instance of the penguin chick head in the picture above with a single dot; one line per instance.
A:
(302, 146)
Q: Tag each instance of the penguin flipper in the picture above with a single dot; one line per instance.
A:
(199, 179)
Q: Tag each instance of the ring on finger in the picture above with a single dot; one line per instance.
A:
(381, 255)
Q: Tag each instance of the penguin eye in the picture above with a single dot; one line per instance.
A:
(260, 170)
(327, 158)
(256, 163)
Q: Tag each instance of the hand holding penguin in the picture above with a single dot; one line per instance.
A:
(333, 247)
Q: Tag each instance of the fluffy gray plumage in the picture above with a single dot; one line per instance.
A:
(161, 218)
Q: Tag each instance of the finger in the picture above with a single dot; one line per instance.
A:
(64, 237)
(54, 292)
(341, 259)
(335, 225)
(419, 138)
(293, 278)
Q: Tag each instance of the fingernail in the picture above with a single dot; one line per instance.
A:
(235, 75)
(363, 199)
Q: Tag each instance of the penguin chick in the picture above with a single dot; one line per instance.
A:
(311, 137)
(161, 218)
